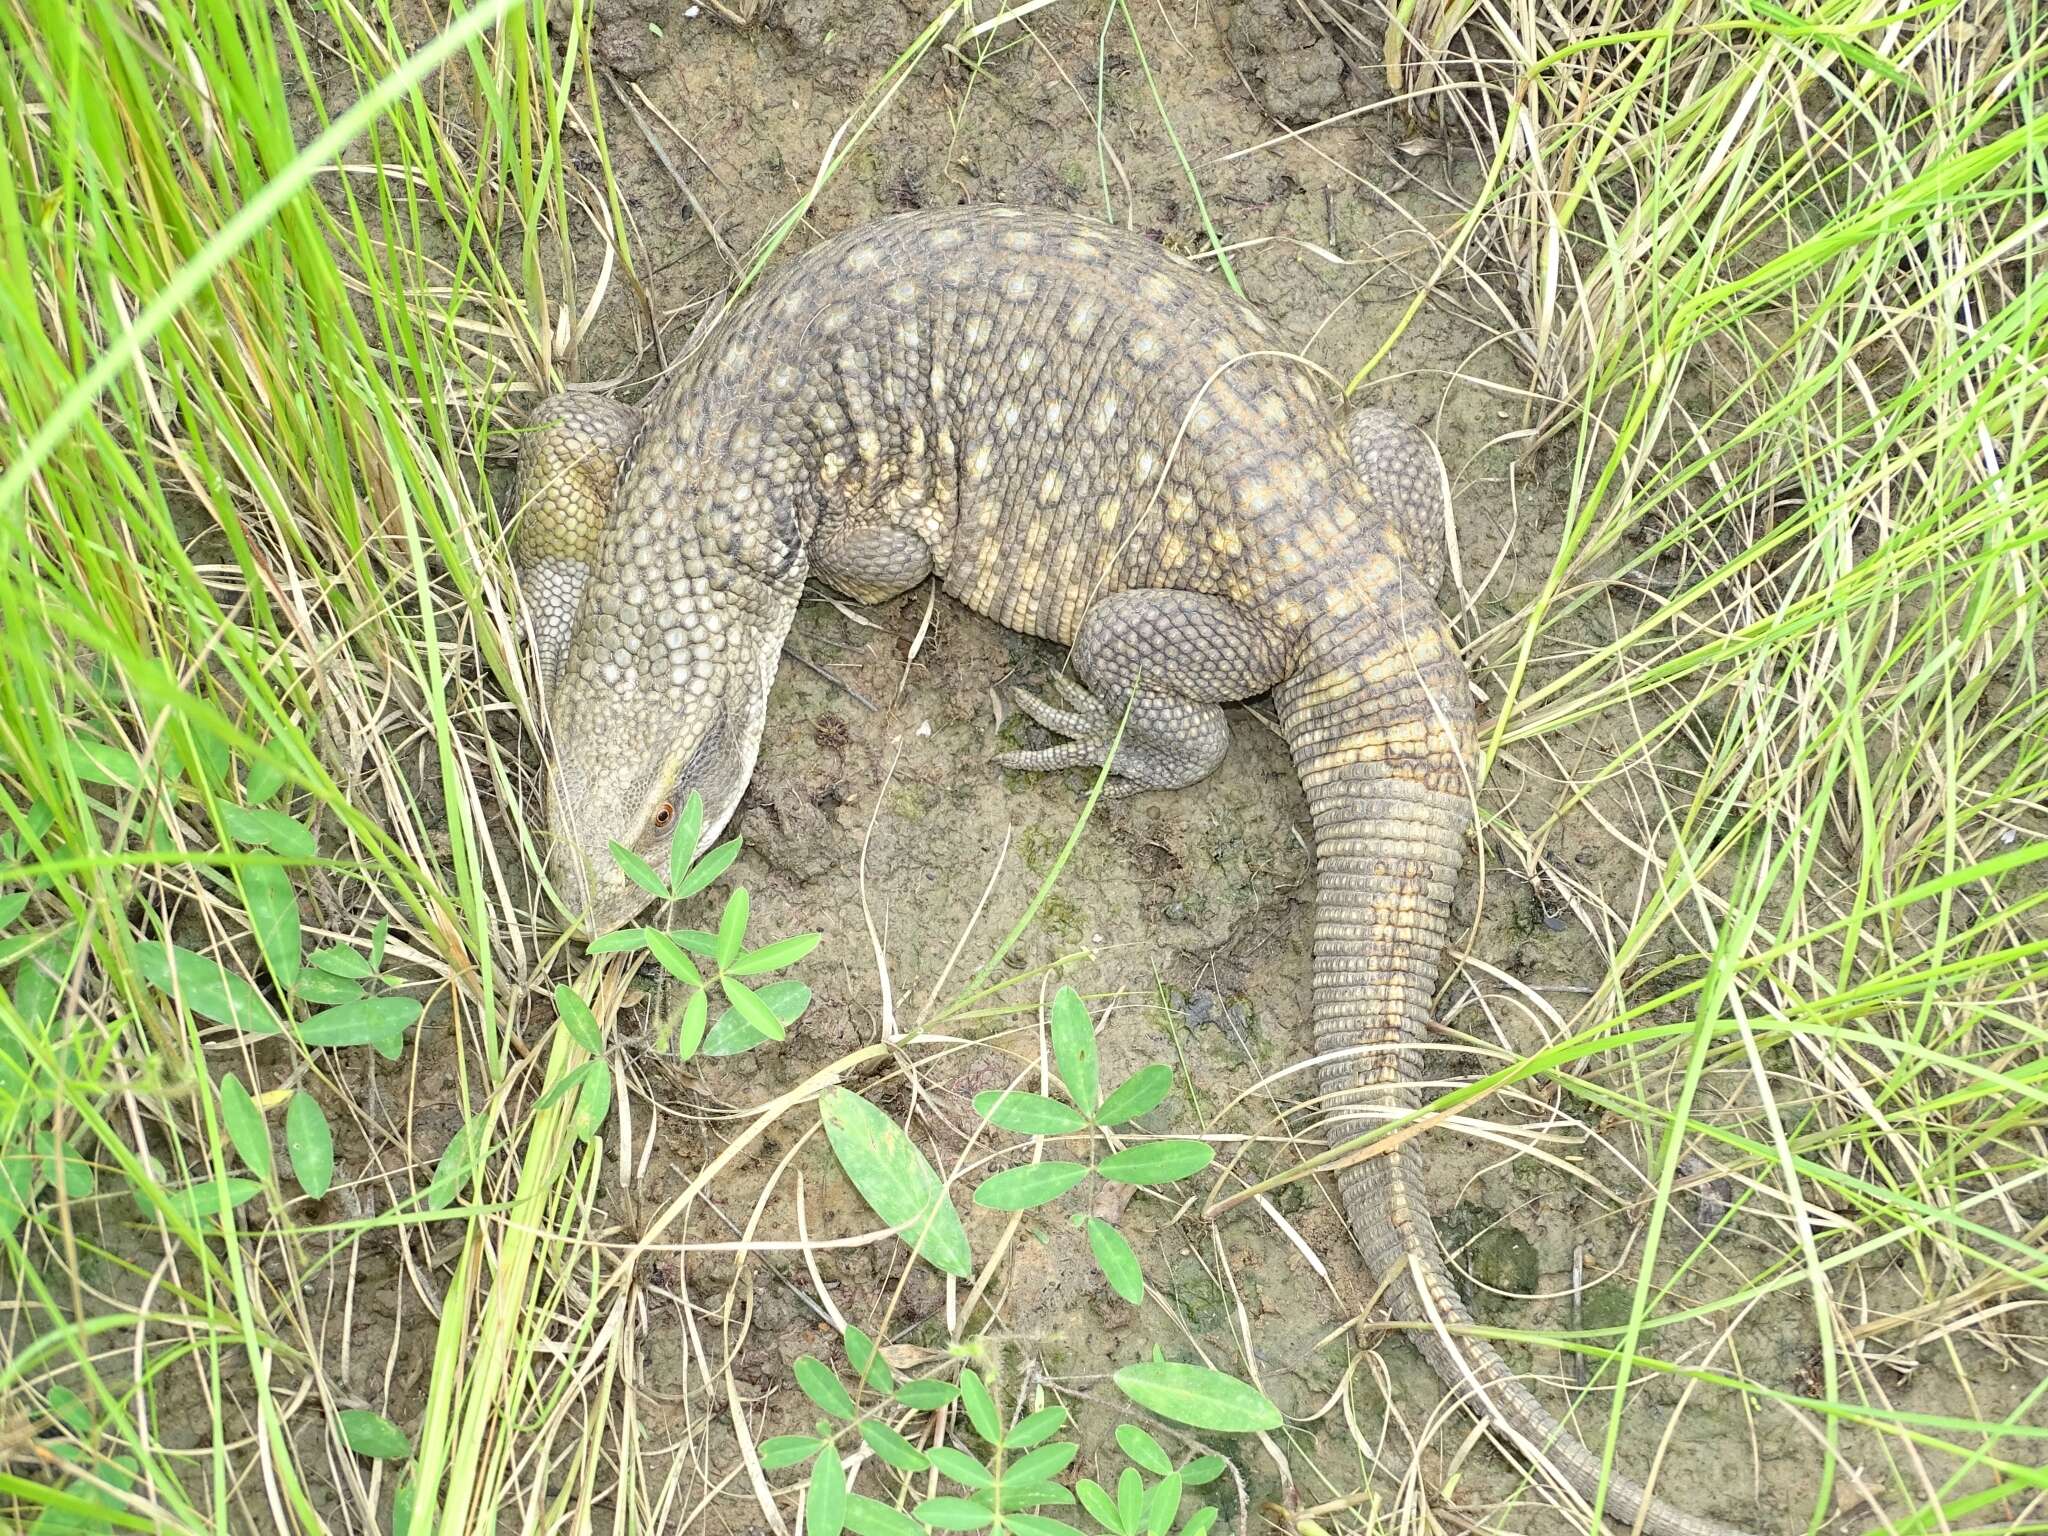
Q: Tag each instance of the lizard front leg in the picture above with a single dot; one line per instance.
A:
(569, 464)
(1175, 658)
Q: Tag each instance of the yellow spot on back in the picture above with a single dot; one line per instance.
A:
(1173, 551)
(1081, 323)
(1055, 414)
(1180, 507)
(977, 331)
(1107, 511)
(978, 463)
(1019, 240)
(1104, 413)
(903, 290)
(946, 237)
(1159, 288)
(869, 444)
(938, 381)
(1028, 358)
(1050, 487)
(862, 258)
(1019, 286)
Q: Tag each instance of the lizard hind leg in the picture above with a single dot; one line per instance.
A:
(1175, 658)
(569, 463)
(1405, 473)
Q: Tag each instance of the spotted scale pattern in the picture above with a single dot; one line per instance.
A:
(1084, 439)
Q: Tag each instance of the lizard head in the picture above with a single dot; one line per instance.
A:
(633, 742)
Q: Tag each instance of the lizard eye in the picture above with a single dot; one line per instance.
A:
(665, 816)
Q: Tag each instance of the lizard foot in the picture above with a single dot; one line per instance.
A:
(1091, 732)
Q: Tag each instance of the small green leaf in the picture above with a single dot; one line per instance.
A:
(593, 1100)
(981, 1408)
(949, 1514)
(1100, 1506)
(926, 1396)
(825, 1503)
(895, 1180)
(1130, 1500)
(378, 1021)
(402, 1502)
(773, 957)
(822, 1387)
(69, 1409)
(894, 1450)
(457, 1163)
(960, 1466)
(1197, 1396)
(617, 942)
(690, 1032)
(867, 1361)
(74, 1173)
(199, 1203)
(670, 957)
(866, 1517)
(378, 934)
(732, 928)
(97, 763)
(245, 1128)
(787, 1450)
(1026, 1188)
(1199, 1522)
(1202, 1470)
(757, 1015)
(12, 906)
(1143, 1449)
(325, 991)
(258, 828)
(708, 869)
(309, 1144)
(1119, 1266)
(273, 910)
(261, 782)
(578, 1020)
(339, 960)
(1136, 1095)
(208, 990)
(638, 870)
(1163, 1505)
(372, 1435)
(682, 843)
(1028, 1114)
(1047, 1461)
(732, 1034)
(1024, 1495)
(1034, 1427)
(1158, 1162)
(1073, 1049)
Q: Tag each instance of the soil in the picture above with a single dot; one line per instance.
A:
(1185, 918)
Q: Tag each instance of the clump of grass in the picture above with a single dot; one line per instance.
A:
(252, 638)
(1782, 283)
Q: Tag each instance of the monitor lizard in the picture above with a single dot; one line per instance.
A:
(1086, 439)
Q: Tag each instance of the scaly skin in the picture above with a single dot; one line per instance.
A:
(1083, 439)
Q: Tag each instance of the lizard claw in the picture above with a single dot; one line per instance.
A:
(1083, 719)
(1086, 724)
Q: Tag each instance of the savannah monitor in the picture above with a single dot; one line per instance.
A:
(1085, 439)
